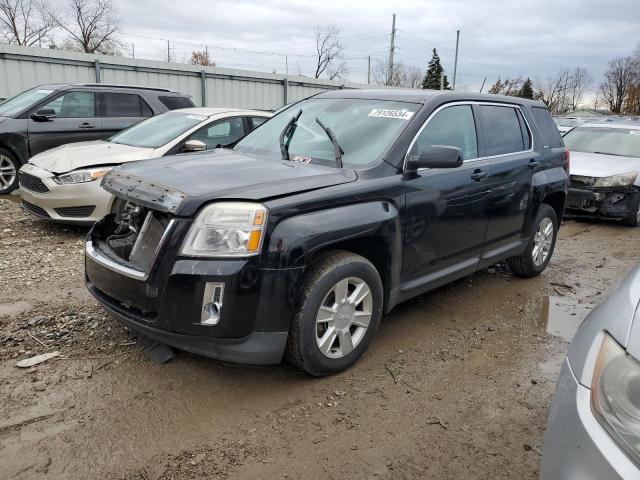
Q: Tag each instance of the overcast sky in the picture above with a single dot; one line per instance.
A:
(504, 38)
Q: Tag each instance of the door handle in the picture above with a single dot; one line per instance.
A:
(533, 163)
(478, 175)
(86, 125)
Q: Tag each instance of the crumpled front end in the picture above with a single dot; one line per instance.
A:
(587, 200)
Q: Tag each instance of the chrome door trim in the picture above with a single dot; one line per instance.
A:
(472, 102)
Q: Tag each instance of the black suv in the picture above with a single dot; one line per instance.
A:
(51, 115)
(297, 240)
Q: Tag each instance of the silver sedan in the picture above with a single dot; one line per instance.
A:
(594, 424)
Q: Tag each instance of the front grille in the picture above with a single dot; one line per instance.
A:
(32, 183)
(144, 250)
(36, 210)
(75, 212)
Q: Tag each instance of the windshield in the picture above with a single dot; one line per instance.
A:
(364, 130)
(157, 131)
(624, 142)
(21, 102)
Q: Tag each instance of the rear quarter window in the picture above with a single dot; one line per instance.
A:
(548, 129)
(173, 103)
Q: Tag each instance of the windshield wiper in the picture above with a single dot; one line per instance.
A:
(334, 141)
(288, 130)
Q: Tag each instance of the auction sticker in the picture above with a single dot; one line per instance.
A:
(383, 113)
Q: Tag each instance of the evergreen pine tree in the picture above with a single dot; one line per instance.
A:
(526, 90)
(434, 71)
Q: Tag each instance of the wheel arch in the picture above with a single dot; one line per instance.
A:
(370, 229)
(556, 200)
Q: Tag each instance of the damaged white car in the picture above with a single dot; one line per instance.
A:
(62, 184)
(605, 162)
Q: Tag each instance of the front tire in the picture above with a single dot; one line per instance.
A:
(9, 166)
(338, 313)
(538, 253)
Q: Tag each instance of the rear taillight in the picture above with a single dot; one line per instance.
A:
(567, 160)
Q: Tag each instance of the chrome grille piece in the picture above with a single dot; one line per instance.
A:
(147, 243)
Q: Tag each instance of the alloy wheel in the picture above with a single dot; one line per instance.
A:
(343, 317)
(7, 172)
(542, 241)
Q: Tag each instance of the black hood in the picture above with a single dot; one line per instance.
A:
(182, 183)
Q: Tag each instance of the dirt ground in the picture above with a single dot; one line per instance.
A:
(457, 383)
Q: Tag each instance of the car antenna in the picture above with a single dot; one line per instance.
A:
(334, 141)
(290, 126)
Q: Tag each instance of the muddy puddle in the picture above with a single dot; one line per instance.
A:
(562, 316)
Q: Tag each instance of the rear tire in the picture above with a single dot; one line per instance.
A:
(337, 315)
(633, 218)
(9, 166)
(538, 253)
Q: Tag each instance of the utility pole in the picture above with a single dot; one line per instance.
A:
(442, 81)
(168, 51)
(483, 82)
(286, 65)
(455, 63)
(369, 70)
(133, 50)
(206, 52)
(391, 49)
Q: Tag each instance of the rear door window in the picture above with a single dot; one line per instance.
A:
(257, 121)
(73, 105)
(503, 130)
(125, 105)
(452, 127)
(173, 103)
(222, 132)
(548, 128)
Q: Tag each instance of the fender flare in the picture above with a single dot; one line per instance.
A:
(295, 241)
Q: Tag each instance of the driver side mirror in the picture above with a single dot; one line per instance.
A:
(44, 115)
(194, 146)
(436, 156)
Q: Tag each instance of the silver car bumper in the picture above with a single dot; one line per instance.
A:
(575, 444)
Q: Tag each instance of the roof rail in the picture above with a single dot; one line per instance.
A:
(132, 87)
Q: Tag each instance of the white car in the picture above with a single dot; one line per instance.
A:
(605, 171)
(63, 184)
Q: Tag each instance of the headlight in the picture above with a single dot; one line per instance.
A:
(80, 176)
(227, 229)
(615, 395)
(623, 180)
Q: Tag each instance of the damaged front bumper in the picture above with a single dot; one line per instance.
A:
(167, 297)
(614, 203)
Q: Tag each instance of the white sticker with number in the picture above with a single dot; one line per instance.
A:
(383, 113)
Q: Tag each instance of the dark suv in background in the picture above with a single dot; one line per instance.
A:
(51, 115)
(297, 240)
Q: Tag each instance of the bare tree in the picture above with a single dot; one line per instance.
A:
(552, 92)
(403, 75)
(507, 86)
(411, 77)
(579, 82)
(201, 58)
(91, 26)
(25, 22)
(329, 51)
(618, 80)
